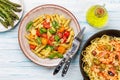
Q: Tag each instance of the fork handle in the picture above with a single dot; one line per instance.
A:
(65, 69)
(58, 67)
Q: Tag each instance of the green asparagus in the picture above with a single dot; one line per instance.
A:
(7, 12)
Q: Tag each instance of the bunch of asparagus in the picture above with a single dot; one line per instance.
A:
(8, 11)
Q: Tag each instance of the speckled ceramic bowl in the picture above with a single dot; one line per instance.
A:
(43, 9)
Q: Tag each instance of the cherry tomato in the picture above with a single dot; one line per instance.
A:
(50, 42)
(38, 33)
(32, 46)
(51, 38)
(66, 34)
(60, 34)
(46, 24)
(44, 41)
(44, 35)
(64, 39)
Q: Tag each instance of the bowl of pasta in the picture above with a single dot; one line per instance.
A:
(46, 34)
(100, 56)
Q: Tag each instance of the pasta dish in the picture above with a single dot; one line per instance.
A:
(101, 59)
(49, 35)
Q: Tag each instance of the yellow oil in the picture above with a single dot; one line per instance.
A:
(98, 20)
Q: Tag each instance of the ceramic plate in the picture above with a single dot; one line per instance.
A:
(2, 28)
(34, 13)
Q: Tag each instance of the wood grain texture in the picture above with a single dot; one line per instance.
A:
(15, 66)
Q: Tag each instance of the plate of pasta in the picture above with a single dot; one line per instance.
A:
(46, 34)
(100, 56)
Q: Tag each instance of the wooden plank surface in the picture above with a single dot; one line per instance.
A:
(15, 66)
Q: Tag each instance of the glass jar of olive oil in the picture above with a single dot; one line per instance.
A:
(97, 16)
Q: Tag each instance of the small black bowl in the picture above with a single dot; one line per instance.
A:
(110, 32)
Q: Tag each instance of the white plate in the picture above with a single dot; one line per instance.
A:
(43, 9)
(2, 28)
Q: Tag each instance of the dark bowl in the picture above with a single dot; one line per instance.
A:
(110, 32)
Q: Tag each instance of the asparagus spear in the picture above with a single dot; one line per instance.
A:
(10, 12)
(3, 23)
(11, 22)
(10, 6)
(14, 4)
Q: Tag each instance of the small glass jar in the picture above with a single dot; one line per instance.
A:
(97, 16)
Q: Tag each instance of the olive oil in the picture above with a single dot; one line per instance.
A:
(97, 16)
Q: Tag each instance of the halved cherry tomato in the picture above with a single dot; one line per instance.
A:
(38, 33)
(46, 24)
(44, 41)
(61, 49)
(64, 39)
(51, 38)
(44, 35)
(66, 33)
(50, 42)
(61, 29)
(60, 34)
(32, 46)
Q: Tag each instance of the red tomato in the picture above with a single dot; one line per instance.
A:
(60, 34)
(51, 38)
(44, 35)
(46, 24)
(38, 33)
(66, 34)
(64, 39)
(32, 46)
(50, 42)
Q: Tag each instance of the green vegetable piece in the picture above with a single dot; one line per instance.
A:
(29, 25)
(59, 55)
(14, 4)
(3, 23)
(55, 24)
(51, 47)
(8, 18)
(10, 6)
(51, 56)
(43, 30)
(38, 40)
(51, 31)
(57, 38)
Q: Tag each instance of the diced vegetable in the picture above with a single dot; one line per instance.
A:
(66, 34)
(61, 29)
(51, 31)
(44, 41)
(29, 25)
(38, 40)
(57, 38)
(61, 49)
(59, 55)
(51, 47)
(52, 55)
(60, 34)
(63, 40)
(32, 46)
(55, 24)
(44, 35)
(38, 33)
(46, 24)
(43, 30)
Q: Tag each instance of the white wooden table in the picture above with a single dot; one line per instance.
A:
(15, 66)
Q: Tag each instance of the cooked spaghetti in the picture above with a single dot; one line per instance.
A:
(101, 59)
